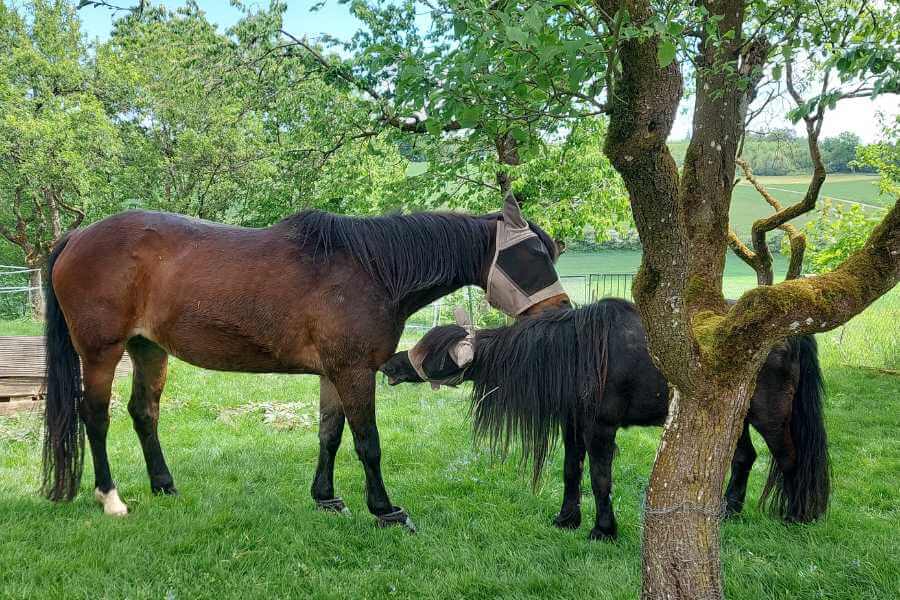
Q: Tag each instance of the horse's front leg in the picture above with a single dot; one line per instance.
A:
(357, 392)
(331, 428)
(741, 463)
(601, 447)
(569, 516)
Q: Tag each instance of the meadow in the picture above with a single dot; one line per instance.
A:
(242, 449)
(747, 205)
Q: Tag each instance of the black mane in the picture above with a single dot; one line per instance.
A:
(404, 253)
(524, 373)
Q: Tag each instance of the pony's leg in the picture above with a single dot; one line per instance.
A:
(569, 516)
(98, 372)
(150, 364)
(357, 391)
(331, 428)
(744, 457)
(601, 447)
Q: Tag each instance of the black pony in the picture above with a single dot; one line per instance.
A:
(587, 372)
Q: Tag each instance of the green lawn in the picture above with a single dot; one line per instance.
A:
(243, 448)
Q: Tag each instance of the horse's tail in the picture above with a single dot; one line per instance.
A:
(63, 455)
(532, 377)
(801, 494)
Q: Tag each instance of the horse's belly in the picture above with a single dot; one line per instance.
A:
(241, 358)
(247, 345)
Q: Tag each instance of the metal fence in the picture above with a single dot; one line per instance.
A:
(582, 289)
(16, 292)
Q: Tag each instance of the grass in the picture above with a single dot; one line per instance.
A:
(243, 448)
(747, 205)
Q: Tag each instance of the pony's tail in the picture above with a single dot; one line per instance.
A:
(63, 455)
(801, 494)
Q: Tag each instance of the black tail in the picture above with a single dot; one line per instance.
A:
(532, 376)
(801, 495)
(63, 455)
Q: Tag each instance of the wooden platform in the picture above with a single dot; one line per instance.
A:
(22, 373)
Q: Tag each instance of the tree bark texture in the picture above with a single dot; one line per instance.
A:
(683, 505)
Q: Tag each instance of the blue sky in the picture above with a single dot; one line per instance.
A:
(858, 115)
(333, 18)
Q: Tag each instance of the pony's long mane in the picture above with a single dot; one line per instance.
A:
(532, 376)
(404, 253)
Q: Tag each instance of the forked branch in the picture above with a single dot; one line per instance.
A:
(760, 259)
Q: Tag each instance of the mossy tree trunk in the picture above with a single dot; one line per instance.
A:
(709, 350)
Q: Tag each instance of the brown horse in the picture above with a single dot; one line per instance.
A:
(316, 293)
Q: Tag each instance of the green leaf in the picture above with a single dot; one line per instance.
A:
(675, 28)
(519, 134)
(459, 27)
(665, 52)
(534, 17)
(470, 116)
(515, 34)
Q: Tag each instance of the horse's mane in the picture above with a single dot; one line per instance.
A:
(404, 253)
(530, 376)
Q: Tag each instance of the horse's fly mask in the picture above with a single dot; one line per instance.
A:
(462, 353)
(522, 272)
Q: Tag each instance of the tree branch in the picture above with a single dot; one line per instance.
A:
(762, 258)
(79, 214)
(814, 304)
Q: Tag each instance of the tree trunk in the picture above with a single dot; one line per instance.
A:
(680, 550)
(36, 293)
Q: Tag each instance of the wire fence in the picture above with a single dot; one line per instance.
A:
(16, 292)
(582, 289)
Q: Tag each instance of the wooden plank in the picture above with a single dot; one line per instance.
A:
(24, 356)
(17, 406)
(20, 386)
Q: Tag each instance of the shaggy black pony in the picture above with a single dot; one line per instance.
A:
(587, 372)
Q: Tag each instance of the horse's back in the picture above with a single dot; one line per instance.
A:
(221, 297)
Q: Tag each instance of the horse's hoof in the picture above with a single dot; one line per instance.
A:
(112, 504)
(333, 505)
(603, 536)
(570, 519)
(164, 490)
(397, 517)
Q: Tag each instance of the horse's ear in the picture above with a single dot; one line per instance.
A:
(461, 317)
(512, 215)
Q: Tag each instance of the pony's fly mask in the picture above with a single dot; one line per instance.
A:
(461, 355)
(522, 272)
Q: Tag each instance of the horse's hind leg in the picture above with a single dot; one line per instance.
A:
(601, 447)
(357, 391)
(331, 428)
(98, 372)
(569, 516)
(744, 457)
(150, 363)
